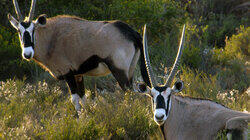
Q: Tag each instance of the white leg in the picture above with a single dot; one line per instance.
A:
(245, 134)
(83, 100)
(229, 136)
(75, 100)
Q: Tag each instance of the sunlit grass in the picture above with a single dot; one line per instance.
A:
(41, 111)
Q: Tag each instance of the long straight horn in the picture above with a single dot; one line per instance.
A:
(177, 60)
(147, 61)
(19, 15)
(32, 10)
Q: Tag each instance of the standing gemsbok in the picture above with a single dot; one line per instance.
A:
(70, 47)
(185, 118)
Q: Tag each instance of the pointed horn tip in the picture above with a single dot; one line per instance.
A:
(144, 29)
(184, 27)
(8, 15)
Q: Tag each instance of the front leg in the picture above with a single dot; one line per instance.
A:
(76, 88)
(80, 88)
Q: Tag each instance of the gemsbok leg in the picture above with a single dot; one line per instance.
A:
(76, 86)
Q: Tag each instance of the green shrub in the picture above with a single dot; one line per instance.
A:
(230, 62)
(199, 84)
(192, 57)
(238, 46)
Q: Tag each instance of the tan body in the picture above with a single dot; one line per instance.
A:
(65, 42)
(70, 47)
(197, 119)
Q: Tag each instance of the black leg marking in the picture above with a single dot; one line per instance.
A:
(75, 84)
(70, 79)
(80, 85)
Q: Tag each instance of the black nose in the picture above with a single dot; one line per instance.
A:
(27, 56)
(159, 117)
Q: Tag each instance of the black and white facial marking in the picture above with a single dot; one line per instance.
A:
(161, 99)
(26, 33)
(27, 39)
(161, 103)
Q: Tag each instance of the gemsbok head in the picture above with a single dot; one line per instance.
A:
(186, 118)
(25, 28)
(70, 47)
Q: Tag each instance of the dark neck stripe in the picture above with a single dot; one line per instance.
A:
(162, 131)
(167, 109)
(33, 37)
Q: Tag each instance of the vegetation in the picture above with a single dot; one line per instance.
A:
(215, 65)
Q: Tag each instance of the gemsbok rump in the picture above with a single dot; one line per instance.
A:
(70, 47)
(186, 118)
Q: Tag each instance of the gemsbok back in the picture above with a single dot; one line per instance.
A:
(70, 47)
(186, 118)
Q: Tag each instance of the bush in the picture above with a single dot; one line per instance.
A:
(238, 46)
(230, 62)
(191, 57)
(200, 85)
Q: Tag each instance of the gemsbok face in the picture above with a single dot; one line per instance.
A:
(161, 99)
(161, 95)
(26, 29)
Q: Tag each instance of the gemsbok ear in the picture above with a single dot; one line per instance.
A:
(41, 20)
(142, 88)
(13, 21)
(178, 86)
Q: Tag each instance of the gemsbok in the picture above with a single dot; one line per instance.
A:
(186, 118)
(70, 47)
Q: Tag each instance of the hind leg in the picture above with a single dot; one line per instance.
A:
(124, 82)
(120, 75)
(122, 64)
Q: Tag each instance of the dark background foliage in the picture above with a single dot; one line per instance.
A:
(215, 63)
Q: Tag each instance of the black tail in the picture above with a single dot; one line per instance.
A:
(134, 36)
